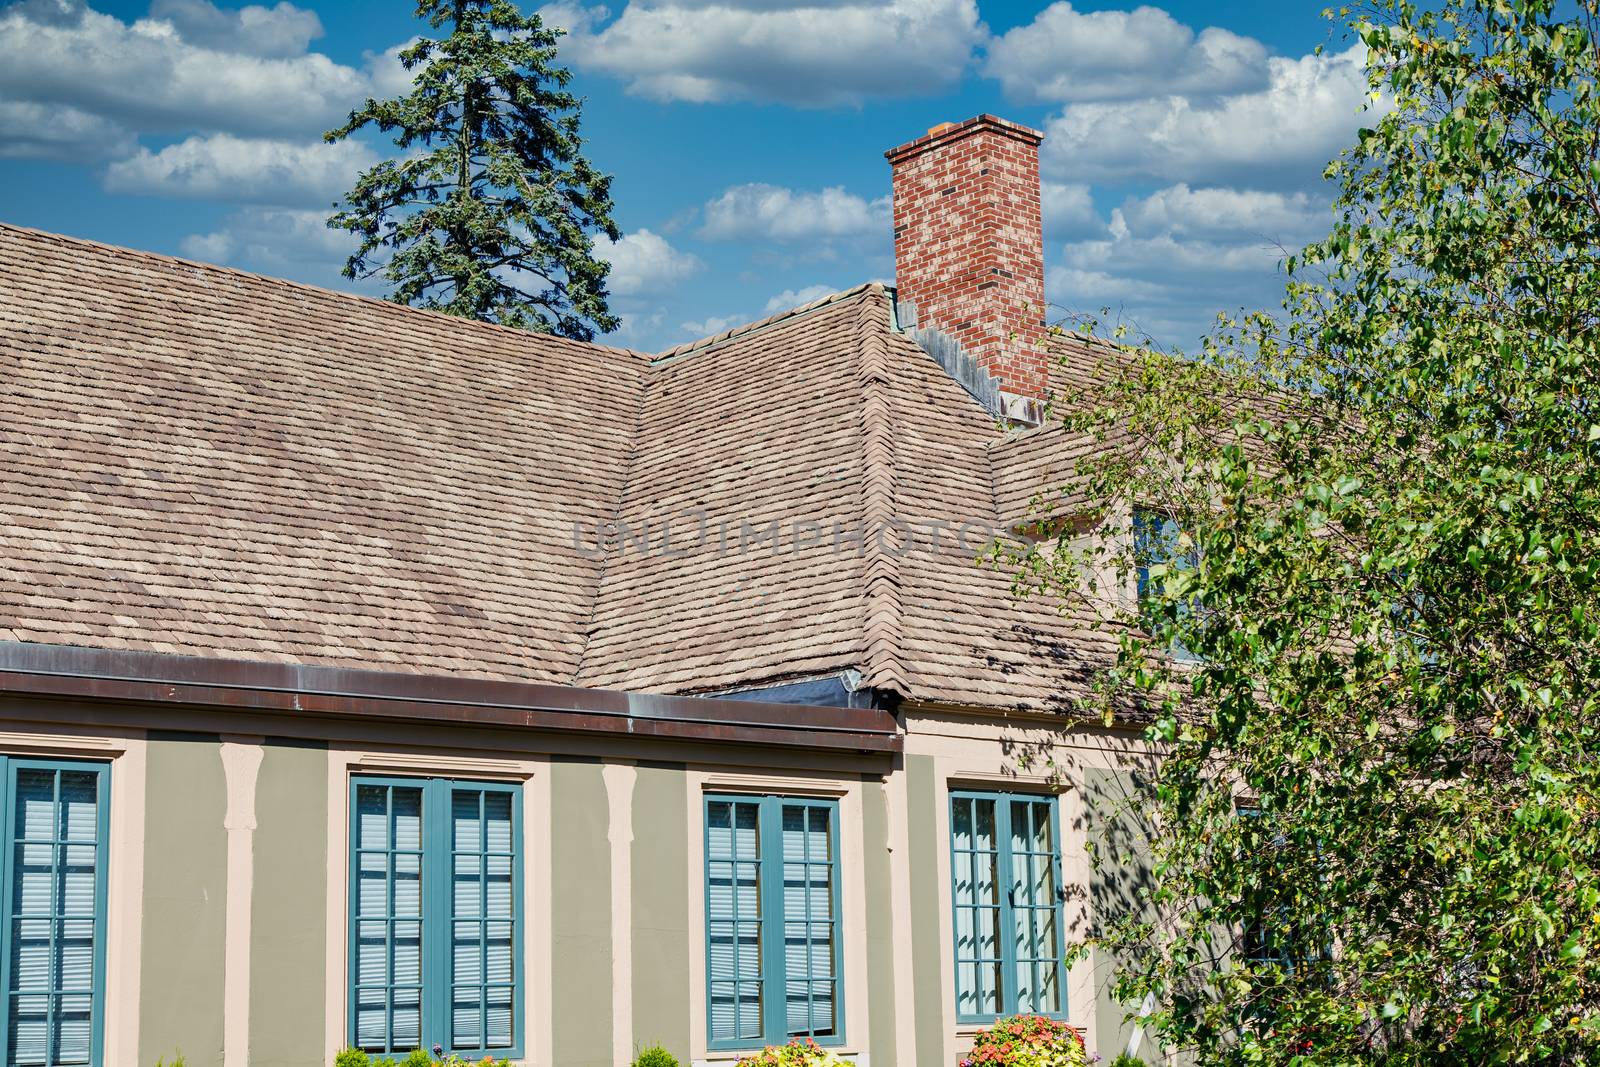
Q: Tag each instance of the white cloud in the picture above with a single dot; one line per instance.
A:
(772, 212)
(280, 30)
(808, 54)
(224, 167)
(712, 325)
(793, 298)
(643, 262)
(213, 247)
(40, 131)
(386, 75)
(1065, 54)
(1168, 262)
(1287, 219)
(1068, 210)
(638, 328)
(287, 242)
(148, 76)
(1281, 134)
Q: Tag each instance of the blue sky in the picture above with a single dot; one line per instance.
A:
(1184, 144)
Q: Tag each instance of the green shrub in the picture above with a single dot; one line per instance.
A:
(1027, 1041)
(354, 1057)
(655, 1056)
(177, 1061)
(1126, 1060)
(801, 1052)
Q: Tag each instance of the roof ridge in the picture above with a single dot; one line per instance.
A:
(689, 347)
(319, 290)
(882, 541)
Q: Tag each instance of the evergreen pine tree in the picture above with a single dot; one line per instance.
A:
(489, 209)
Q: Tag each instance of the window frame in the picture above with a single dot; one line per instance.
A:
(774, 976)
(9, 766)
(1006, 1004)
(437, 1019)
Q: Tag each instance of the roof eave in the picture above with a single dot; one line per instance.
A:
(312, 692)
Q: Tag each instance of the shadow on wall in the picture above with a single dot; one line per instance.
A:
(1118, 805)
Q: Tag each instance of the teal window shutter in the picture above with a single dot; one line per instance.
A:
(773, 948)
(436, 916)
(1006, 892)
(56, 818)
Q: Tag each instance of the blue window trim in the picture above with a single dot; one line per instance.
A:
(1006, 1002)
(774, 1018)
(9, 766)
(438, 861)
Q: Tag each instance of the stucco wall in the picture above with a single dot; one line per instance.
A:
(185, 887)
(288, 933)
(660, 907)
(580, 863)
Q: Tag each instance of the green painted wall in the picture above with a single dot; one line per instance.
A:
(880, 923)
(581, 914)
(923, 798)
(661, 909)
(185, 884)
(288, 940)
(1118, 839)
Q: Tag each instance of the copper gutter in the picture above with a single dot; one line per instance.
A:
(155, 678)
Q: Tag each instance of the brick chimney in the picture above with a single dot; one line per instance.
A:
(969, 246)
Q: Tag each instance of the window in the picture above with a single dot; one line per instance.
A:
(55, 905)
(773, 953)
(1160, 544)
(436, 916)
(1005, 867)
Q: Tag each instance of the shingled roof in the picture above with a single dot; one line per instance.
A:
(202, 461)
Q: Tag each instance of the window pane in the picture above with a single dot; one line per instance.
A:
(482, 951)
(796, 877)
(55, 921)
(975, 872)
(388, 916)
(1007, 938)
(464, 995)
(808, 913)
(733, 913)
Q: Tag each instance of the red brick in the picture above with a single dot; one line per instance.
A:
(951, 245)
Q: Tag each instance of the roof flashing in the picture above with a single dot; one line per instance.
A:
(1011, 408)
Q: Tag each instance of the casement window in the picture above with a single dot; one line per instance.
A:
(1160, 544)
(1006, 873)
(54, 945)
(773, 953)
(436, 916)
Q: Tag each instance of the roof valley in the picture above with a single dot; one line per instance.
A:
(618, 502)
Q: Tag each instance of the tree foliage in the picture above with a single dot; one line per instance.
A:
(488, 211)
(1379, 819)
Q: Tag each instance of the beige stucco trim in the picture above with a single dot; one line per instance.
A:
(533, 773)
(853, 892)
(124, 869)
(241, 762)
(619, 779)
(538, 942)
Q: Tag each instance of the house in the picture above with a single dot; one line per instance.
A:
(373, 677)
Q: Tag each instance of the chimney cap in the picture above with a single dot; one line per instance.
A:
(945, 132)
